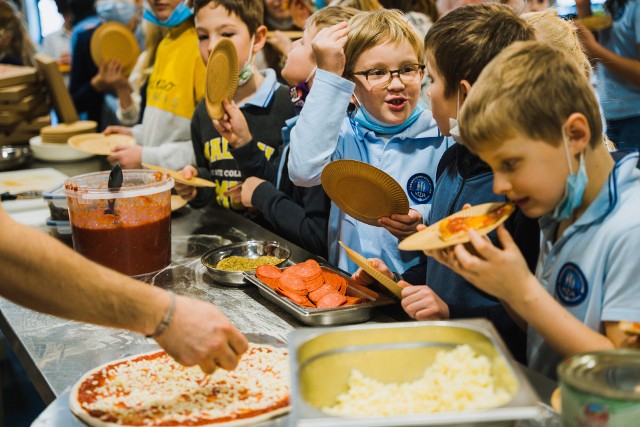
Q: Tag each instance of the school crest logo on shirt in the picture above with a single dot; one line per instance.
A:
(420, 188)
(571, 286)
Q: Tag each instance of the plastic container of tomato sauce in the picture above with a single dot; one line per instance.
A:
(601, 389)
(134, 237)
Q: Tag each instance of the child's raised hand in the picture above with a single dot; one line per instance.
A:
(187, 192)
(328, 48)
(402, 226)
(233, 126)
(502, 273)
(248, 188)
(363, 278)
(421, 303)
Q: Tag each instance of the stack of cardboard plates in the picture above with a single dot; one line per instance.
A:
(61, 133)
(24, 107)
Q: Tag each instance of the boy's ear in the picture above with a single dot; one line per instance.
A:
(260, 39)
(465, 87)
(578, 133)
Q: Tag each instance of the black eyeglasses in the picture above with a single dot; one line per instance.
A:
(380, 78)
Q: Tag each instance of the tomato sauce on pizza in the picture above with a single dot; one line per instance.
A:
(154, 390)
(451, 228)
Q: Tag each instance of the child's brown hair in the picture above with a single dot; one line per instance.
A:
(461, 43)
(251, 12)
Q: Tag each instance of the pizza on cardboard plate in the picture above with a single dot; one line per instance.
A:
(152, 389)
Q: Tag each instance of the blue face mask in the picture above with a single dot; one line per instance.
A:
(574, 190)
(365, 119)
(177, 17)
(118, 11)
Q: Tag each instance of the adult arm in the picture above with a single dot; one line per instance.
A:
(43, 274)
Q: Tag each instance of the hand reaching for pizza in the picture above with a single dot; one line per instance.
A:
(502, 273)
(199, 334)
(402, 226)
(421, 303)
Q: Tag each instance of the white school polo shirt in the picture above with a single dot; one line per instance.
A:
(593, 270)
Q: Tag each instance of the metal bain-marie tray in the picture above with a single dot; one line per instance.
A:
(344, 315)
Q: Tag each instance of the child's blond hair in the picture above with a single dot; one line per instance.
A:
(560, 34)
(330, 16)
(529, 89)
(369, 29)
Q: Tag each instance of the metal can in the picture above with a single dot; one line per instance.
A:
(601, 389)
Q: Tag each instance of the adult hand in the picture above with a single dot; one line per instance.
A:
(248, 187)
(121, 130)
(187, 192)
(233, 126)
(502, 273)
(129, 156)
(402, 226)
(421, 303)
(328, 48)
(588, 40)
(363, 278)
(200, 334)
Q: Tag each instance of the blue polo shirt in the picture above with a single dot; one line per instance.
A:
(593, 269)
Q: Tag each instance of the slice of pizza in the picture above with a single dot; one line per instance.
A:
(630, 327)
(453, 228)
(154, 390)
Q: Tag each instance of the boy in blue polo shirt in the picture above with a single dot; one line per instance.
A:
(542, 138)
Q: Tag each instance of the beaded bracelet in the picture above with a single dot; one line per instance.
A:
(168, 315)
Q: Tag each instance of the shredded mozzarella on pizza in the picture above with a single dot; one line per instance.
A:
(152, 391)
(458, 380)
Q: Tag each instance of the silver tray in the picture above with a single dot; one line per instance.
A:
(322, 359)
(357, 313)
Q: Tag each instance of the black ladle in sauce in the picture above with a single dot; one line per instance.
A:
(115, 182)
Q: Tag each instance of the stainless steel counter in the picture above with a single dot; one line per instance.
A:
(56, 352)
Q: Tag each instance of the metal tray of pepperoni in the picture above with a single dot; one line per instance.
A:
(359, 301)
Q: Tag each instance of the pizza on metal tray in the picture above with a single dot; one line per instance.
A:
(154, 390)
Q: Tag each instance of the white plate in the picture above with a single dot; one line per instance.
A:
(55, 152)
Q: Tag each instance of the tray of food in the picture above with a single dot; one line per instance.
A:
(317, 294)
(407, 374)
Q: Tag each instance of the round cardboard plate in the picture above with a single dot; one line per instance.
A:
(363, 191)
(177, 177)
(596, 22)
(362, 262)
(99, 143)
(177, 202)
(221, 78)
(114, 41)
(429, 238)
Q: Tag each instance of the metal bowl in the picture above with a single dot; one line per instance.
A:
(249, 249)
(14, 156)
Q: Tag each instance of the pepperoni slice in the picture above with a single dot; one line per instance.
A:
(309, 270)
(293, 283)
(314, 284)
(353, 300)
(268, 271)
(320, 292)
(331, 300)
(298, 299)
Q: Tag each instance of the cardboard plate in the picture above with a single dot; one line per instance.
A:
(177, 202)
(363, 191)
(221, 77)
(177, 177)
(362, 262)
(596, 22)
(556, 400)
(69, 129)
(429, 238)
(114, 41)
(99, 143)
